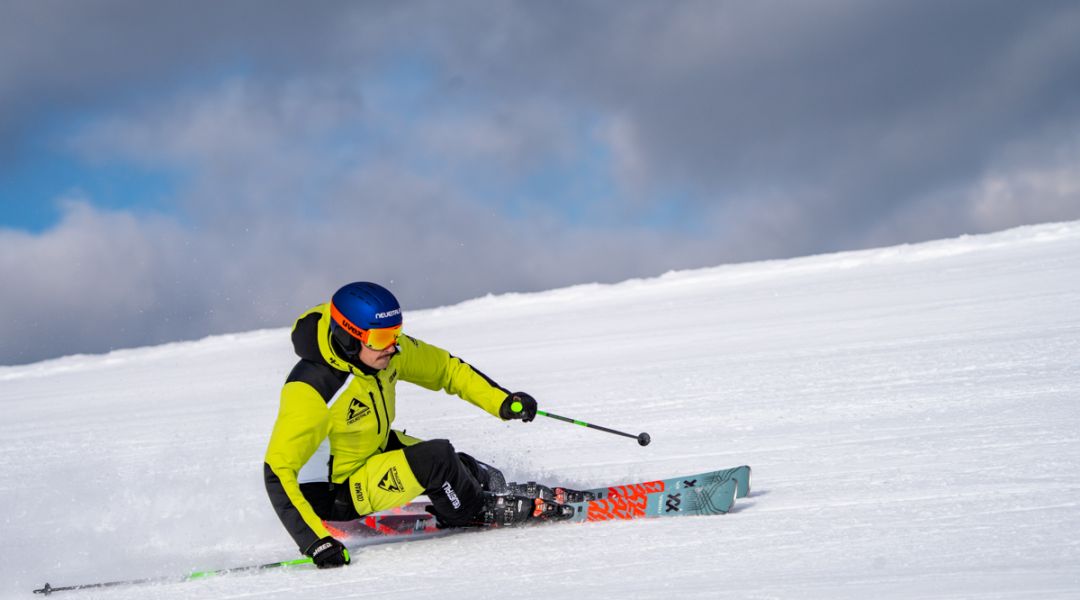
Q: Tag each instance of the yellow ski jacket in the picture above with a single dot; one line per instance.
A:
(358, 421)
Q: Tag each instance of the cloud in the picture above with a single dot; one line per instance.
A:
(456, 149)
(1028, 196)
(84, 284)
(272, 226)
(102, 280)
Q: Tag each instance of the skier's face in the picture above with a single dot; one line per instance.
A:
(377, 359)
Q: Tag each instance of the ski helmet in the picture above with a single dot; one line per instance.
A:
(359, 308)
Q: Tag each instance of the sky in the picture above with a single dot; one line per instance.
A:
(170, 171)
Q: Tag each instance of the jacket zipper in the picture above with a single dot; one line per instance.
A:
(375, 407)
(386, 412)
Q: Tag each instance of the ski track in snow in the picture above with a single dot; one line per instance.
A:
(910, 413)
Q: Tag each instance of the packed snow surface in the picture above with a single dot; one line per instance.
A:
(911, 415)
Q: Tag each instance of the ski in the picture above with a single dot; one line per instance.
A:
(741, 474)
(648, 498)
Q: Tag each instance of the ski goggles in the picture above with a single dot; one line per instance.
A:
(351, 337)
(374, 339)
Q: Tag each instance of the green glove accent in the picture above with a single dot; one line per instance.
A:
(518, 405)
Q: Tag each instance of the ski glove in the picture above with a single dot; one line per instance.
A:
(328, 553)
(518, 405)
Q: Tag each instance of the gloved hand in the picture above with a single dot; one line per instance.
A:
(518, 405)
(328, 553)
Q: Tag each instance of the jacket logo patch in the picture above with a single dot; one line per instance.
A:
(391, 482)
(358, 491)
(393, 376)
(357, 411)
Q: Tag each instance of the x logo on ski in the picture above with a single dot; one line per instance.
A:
(673, 502)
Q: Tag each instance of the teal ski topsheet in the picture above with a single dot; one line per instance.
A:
(741, 476)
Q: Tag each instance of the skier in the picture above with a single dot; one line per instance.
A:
(373, 467)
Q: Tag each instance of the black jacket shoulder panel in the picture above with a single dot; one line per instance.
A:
(325, 379)
(305, 338)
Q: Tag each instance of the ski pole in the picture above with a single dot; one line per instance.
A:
(642, 438)
(48, 589)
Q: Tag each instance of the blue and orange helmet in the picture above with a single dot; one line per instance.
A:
(364, 313)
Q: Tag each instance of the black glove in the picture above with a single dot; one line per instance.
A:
(328, 553)
(518, 405)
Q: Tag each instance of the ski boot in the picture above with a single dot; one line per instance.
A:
(514, 510)
(559, 495)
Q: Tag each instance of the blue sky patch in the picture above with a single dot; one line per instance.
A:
(33, 187)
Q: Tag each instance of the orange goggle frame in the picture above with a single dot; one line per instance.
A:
(375, 339)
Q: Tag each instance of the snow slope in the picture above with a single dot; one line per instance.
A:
(910, 413)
